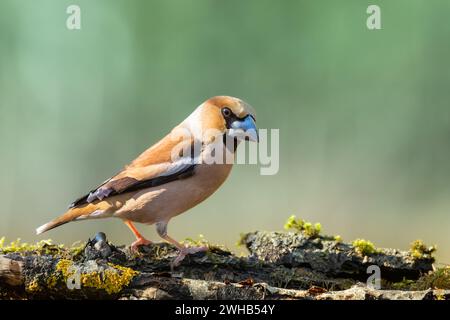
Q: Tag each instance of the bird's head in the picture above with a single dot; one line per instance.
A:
(226, 115)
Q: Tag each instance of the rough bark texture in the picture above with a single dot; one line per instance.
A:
(332, 258)
(279, 266)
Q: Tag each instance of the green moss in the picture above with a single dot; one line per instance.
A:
(438, 279)
(242, 240)
(293, 223)
(302, 226)
(41, 247)
(405, 284)
(76, 250)
(419, 250)
(202, 242)
(364, 247)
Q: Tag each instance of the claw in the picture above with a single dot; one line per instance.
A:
(139, 242)
(184, 252)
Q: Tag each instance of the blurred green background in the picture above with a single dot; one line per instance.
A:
(364, 116)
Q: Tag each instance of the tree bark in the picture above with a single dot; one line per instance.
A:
(104, 271)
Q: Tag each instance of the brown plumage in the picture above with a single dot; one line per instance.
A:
(173, 175)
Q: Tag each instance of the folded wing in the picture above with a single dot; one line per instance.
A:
(152, 168)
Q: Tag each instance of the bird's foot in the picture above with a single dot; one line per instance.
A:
(184, 251)
(139, 242)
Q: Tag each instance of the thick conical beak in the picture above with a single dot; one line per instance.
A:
(245, 129)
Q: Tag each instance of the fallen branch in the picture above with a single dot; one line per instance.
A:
(280, 266)
(333, 258)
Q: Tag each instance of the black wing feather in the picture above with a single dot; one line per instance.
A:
(128, 184)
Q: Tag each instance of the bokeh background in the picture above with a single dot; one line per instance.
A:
(364, 116)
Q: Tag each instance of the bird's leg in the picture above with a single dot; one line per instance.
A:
(161, 228)
(140, 240)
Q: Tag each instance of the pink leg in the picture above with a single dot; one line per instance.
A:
(161, 228)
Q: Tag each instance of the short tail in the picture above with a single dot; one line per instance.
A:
(87, 211)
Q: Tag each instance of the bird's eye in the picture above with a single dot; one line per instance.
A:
(226, 112)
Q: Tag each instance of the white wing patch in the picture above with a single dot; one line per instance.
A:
(178, 166)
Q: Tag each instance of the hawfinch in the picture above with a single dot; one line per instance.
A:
(175, 174)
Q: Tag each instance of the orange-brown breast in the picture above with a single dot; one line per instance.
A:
(169, 200)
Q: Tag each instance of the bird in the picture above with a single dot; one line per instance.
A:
(174, 175)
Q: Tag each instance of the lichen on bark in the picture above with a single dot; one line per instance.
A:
(293, 265)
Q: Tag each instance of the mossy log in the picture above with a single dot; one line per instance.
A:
(334, 258)
(104, 271)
